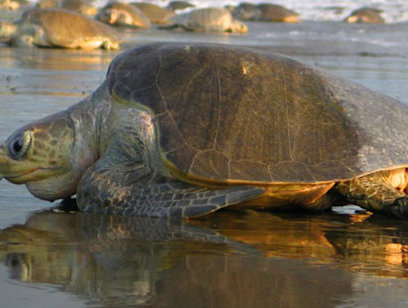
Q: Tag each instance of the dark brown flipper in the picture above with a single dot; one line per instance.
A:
(375, 193)
(108, 191)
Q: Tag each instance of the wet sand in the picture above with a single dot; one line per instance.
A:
(229, 259)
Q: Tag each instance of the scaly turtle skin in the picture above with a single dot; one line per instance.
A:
(123, 15)
(61, 28)
(186, 129)
(208, 20)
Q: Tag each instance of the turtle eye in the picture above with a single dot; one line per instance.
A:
(19, 145)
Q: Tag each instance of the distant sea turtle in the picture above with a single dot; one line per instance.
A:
(80, 6)
(47, 4)
(208, 20)
(155, 13)
(186, 129)
(12, 4)
(123, 15)
(7, 30)
(366, 15)
(276, 13)
(244, 11)
(59, 28)
(179, 5)
(265, 12)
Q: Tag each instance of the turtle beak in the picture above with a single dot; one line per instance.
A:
(5, 162)
(8, 166)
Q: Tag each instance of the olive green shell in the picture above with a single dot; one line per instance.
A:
(211, 19)
(155, 13)
(237, 114)
(62, 27)
(274, 12)
(366, 15)
(262, 12)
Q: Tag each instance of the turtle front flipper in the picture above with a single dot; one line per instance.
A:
(106, 191)
(383, 191)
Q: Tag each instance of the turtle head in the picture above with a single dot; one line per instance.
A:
(45, 156)
(239, 27)
(108, 15)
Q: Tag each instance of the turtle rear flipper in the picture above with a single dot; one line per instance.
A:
(178, 199)
(108, 191)
(381, 191)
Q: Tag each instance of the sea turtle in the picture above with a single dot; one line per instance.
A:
(208, 20)
(179, 5)
(48, 4)
(59, 28)
(123, 15)
(244, 11)
(80, 6)
(185, 129)
(155, 13)
(11, 4)
(276, 13)
(265, 12)
(365, 15)
(7, 30)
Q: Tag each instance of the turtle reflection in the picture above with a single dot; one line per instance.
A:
(113, 259)
(228, 259)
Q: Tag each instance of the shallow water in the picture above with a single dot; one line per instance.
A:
(233, 259)
(228, 260)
